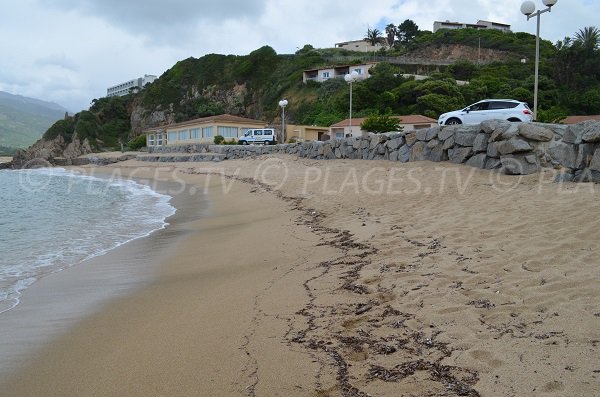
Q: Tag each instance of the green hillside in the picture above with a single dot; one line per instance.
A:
(251, 85)
(23, 120)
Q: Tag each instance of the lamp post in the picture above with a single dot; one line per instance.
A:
(283, 103)
(528, 9)
(350, 78)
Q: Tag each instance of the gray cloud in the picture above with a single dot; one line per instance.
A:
(155, 17)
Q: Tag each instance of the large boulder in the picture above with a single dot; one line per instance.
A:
(477, 161)
(404, 153)
(520, 164)
(448, 143)
(422, 135)
(592, 132)
(513, 145)
(480, 143)
(492, 150)
(446, 132)
(491, 126)
(411, 138)
(419, 151)
(395, 143)
(436, 152)
(465, 138)
(504, 134)
(432, 132)
(575, 132)
(595, 164)
(564, 154)
(459, 154)
(535, 132)
(585, 152)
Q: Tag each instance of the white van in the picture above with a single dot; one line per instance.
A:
(260, 135)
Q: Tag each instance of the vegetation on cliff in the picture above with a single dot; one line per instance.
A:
(251, 85)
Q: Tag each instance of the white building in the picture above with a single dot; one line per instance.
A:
(361, 45)
(337, 72)
(437, 25)
(132, 85)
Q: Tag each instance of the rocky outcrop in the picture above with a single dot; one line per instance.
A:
(46, 153)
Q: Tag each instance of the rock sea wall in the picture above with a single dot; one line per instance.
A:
(513, 148)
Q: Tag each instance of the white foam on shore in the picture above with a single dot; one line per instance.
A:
(73, 218)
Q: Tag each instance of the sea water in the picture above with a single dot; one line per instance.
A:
(51, 219)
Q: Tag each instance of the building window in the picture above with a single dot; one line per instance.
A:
(326, 75)
(184, 135)
(150, 139)
(339, 134)
(195, 133)
(172, 136)
(160, 139)
(358, 70)
(207, 132)
(227, 132)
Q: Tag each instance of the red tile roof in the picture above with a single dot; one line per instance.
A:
(579, 119)
(408, 119)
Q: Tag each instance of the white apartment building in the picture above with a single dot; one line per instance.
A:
(132, 85)
(437, 25)
(337, 72)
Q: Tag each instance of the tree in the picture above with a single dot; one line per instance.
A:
(377, 123)
(407, 31)
(588, 37)
(391, 30)
(374, 37)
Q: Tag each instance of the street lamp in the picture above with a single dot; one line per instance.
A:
(350, 78)
(528, 9)
(283, 103)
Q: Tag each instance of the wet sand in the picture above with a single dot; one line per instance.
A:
(351, 278)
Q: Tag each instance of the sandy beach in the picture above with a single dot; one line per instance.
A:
(343, 278)
(5, 159)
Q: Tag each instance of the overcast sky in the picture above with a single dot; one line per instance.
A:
(70, 51)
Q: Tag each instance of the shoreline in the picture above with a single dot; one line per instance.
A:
(58, 300)
(298, 285)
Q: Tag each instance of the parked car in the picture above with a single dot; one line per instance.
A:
(488, 109)
(261, 135)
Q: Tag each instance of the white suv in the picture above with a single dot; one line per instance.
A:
(503, 109)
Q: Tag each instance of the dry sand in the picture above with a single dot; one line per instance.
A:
(5, 159)
(352, 278)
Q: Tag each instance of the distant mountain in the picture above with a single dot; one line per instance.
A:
(24, 120)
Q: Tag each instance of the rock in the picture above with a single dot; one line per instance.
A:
(520, 164)
(492, 163)
(585, 153)
(575, 132)
(394, 155)
(492, 150)
(419, 151)
(394, 144)
(411, 138)
(513, 145)
(480, 143)
(477, 161)
(380, 149)
(535, 132)
(592, 134)
(504, 134)
(422, 135)
(328, 152)
(432, 133)
(433, 143)
(595, 163)
(404, 154)
(564, 154)
(587, 175)
(446, 132)
(491, 126)
(464, 138)
(436, 153)
(459, 154)
(448, 143)
(565, 177)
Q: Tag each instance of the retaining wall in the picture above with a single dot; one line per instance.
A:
(513, 148)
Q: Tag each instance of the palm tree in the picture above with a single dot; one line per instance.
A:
(588, 37)
(390, 31)
(374, 36)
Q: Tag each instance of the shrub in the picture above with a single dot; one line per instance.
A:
(218, 140)
(137, 143)
(381, 123)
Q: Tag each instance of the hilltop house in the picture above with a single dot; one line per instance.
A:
(130, 86)
(202, 130)
(437, 25)
(410, 123)
(361, 45)
(336, 72)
